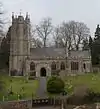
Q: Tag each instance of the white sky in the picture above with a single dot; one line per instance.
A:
(86, 11)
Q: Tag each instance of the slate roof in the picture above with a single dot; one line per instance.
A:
(84, 54)
(56, 52)
(47, 52)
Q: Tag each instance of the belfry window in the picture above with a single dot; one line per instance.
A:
(53, 66)
(62, 66)
(32, 66)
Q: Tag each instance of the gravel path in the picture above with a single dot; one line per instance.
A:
(41, 92)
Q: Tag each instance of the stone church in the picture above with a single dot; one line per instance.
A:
(24, 60)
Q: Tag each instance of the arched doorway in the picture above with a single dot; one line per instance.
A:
(43, 72)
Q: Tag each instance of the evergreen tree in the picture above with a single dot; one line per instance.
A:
(96, 47)
(90, 42)
(4, 51)
(91, 49)
(97, 33)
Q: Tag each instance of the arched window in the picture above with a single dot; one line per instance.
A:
(84, 66)
(74, 65)
(32, 66)
(62, 66)
(53, 66)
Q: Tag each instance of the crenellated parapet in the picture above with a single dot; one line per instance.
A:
(20, 19)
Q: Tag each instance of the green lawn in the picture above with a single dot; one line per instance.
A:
(90, 80)
(17, 84)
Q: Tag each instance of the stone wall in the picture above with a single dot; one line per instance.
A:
(46, 102)
(46, 63)
(28, 104)
(16, 105)
(43, 63)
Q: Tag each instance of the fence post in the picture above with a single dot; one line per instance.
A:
(62, 104)
(3, 98)
(54, 101)
(32, 101)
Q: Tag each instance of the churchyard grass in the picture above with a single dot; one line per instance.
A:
(91, 81)
(18, 85)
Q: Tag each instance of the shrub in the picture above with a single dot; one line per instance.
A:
(55, 85)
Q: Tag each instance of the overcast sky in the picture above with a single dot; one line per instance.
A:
(86, 11)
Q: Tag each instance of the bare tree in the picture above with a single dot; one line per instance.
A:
(80, 32)
(57, 39)
(85, 44)
(72, 34)
(35, 40)
(37, 43)
(62, 35)
(44, 29)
